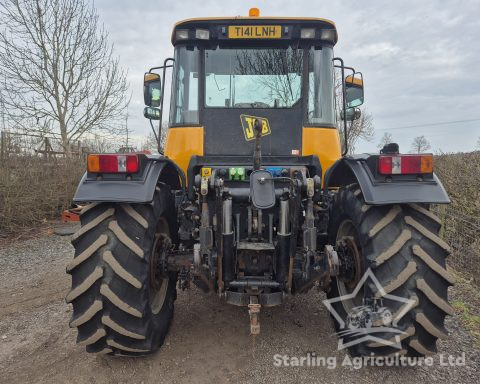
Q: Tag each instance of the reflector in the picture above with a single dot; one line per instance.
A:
(410, 164)
(108, 163)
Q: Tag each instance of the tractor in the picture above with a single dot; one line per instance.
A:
(254, 196)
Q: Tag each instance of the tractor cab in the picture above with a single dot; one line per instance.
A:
(229, 72)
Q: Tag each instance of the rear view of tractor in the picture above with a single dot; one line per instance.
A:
(255, 200)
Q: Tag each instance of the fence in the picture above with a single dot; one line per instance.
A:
(47, 146)
(37, 179)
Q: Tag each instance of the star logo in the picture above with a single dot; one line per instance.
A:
(366, 333)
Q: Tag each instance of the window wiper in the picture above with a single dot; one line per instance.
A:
(215, 79)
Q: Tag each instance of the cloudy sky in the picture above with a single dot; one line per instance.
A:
(420, 59)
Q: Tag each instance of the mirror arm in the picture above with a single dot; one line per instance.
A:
(344, 100)
(168, 59)
(157, 139)
(161, 67)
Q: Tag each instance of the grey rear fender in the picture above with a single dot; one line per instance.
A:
(137, 188)
(379, 190)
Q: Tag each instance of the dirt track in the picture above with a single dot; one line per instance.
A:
(208, 341)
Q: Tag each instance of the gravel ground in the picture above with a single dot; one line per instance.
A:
(209, 341)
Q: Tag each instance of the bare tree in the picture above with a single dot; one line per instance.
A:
(150, 143)
(359, 129)
(387, 138)
(98, 144)
(478, 144)
(283, 68)
(58, 70)
(420, 144)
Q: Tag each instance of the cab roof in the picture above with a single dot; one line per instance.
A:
(291, 27)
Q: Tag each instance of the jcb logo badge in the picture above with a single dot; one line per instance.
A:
(248, 128)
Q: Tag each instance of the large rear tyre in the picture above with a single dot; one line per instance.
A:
(121, 305)
(400, 244)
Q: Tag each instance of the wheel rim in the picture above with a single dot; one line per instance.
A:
(347, 235)
(159, 283)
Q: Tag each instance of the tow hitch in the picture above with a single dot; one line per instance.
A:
(254, 312)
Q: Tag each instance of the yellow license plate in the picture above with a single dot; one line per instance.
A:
(254, 31)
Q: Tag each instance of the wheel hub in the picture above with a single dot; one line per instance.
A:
(350, 259)
(158, 260)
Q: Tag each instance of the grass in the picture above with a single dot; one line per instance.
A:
(469, 320)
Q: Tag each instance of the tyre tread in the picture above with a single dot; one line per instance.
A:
(110, 277)
(410, 266)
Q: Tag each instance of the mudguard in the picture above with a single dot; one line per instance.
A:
(377, 190)
(137, 188)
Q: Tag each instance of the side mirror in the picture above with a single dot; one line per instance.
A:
(354, 90)
(152, 87)
(151, 113)
(352, 114)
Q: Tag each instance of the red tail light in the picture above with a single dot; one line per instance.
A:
(112, 163)
(405, 164)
